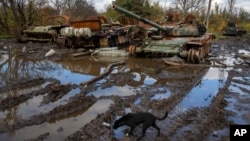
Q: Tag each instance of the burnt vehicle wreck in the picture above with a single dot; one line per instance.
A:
(233, 30)
(93, 33)
(47, 32)
(186, 39)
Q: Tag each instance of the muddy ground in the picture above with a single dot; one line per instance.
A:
(225, 104)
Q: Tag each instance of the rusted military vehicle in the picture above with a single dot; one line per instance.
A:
(92, 33)
(232, 30)
(47, 32)
(186, 39)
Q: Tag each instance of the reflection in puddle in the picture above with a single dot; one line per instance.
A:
(238, 85)
(44, 69)
(149, 81)
(67, 76)
(237, 88)
(161, 96)
(202, 94)
(69, 125)
(34, 106)
(113, 91)
(19, 91)
(238, 104)
(140, 77)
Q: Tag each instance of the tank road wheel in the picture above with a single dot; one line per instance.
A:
(201, 53)
(132, 50)
(129, 49)
(189, 55)
(192, 55)
(204, 52)
(197, 57)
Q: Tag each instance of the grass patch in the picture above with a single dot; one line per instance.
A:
(5, 36)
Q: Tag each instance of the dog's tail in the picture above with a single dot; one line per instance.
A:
(162, 118)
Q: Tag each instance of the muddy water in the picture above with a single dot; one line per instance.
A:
(60, 129)
(149, 78)
(202, 94)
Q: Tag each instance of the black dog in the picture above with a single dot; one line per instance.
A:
(134, 119)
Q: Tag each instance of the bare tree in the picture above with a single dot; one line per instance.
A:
(4, 16)
(59, 5)
(76, 9)
(208, 13)
(24, 13)
(189, 5)
(80, 9)
(231, 4)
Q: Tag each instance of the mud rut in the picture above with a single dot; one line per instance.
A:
(196, 123)
(203, 123)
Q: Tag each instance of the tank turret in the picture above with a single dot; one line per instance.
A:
(185, 39)
(144, 20)
(184, 28)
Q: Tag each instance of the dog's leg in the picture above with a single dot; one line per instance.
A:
(157, 128)
(144, 128)
(131, 130)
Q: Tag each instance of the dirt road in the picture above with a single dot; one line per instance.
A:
(45, 95)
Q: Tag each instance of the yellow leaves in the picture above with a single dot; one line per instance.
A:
(221, 25)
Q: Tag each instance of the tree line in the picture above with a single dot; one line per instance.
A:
(17, 15)
(216, 17)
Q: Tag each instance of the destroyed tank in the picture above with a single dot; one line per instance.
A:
(232, 30)
(44, 33)
(186, 39)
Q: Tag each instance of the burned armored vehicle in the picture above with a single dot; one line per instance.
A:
(92, 33)
(44, 33)
(186, 39)
(233, 30)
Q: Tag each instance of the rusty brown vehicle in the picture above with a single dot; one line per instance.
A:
(186, 39)
(92, 33)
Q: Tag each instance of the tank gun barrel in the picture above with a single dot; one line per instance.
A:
(144, 20)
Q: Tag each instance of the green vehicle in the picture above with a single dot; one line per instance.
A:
(186, 39)
(232, 30)
(44, 33)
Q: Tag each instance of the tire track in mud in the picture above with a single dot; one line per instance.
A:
(22, 83)
(12, 101)
(202, 123)
(54, 91)
(76, 105)
(196, 123)
(96, 131)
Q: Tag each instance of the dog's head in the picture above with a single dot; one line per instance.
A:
(120, 122)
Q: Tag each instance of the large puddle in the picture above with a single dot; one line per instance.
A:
(202, 94)
(58, 130)
(138, 76)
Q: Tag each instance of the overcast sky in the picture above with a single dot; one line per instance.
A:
(245, 4)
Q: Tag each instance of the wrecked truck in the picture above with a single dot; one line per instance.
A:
(186, 39)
